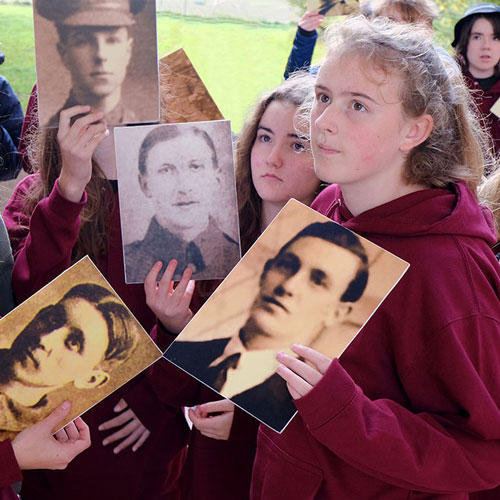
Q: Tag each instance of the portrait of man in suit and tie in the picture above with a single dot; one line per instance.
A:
(309, 285)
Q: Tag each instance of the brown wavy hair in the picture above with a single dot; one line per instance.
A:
(296, 90)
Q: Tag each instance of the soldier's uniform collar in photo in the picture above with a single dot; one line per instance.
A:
(90, 12)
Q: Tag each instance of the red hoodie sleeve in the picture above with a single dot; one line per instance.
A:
(41, 244)
(453, 447)
(9, 470)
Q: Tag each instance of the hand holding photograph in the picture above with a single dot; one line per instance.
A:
(332, 8)
(73, 340)
(100, 53)
(178, 198)
(306, 280)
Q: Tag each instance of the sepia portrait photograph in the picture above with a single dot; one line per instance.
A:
(178, 198)
(334, 7)
(306, 280)
(73, 340)
(183, 95)
(100, 53)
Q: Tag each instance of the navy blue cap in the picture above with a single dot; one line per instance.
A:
(480, 8)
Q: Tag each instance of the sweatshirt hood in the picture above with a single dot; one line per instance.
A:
(453, 211)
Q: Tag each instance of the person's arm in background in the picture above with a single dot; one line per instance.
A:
(304, 43)
(11, 121)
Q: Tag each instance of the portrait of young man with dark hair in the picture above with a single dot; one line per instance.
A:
(77, 340)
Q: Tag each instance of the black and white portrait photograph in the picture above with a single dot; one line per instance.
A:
(334, 7)
(74, 339)
(178, 198)
(306, 280)
(100, 53)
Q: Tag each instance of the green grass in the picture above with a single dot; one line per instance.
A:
(236, 60)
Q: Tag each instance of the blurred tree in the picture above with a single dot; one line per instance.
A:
(301, 5)
(450, 12)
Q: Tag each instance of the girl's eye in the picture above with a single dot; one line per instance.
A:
(264, 138)
(298, 147)
(195, 166)
(323, 98)
(357, 106)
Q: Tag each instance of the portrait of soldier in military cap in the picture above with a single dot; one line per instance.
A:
(101, 53)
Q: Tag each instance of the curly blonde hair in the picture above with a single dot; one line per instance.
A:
(458, 148)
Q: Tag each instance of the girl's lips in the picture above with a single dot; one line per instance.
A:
(327, 150)
(271, 176)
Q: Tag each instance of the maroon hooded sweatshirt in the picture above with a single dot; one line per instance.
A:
(411, 410)
(484, 101)
(9, 471)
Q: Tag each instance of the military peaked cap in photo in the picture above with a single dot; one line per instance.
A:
(90, 12)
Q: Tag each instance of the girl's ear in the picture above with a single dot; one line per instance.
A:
(417, 131)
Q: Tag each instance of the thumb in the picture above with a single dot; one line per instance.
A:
(120, 406)
(57, 416)
(215, 406)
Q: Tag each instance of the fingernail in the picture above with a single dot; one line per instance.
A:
(116, 451)
(66, 405)
(100, 428)
(105, 442)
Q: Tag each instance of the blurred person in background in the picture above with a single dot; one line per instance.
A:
(11, 121)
